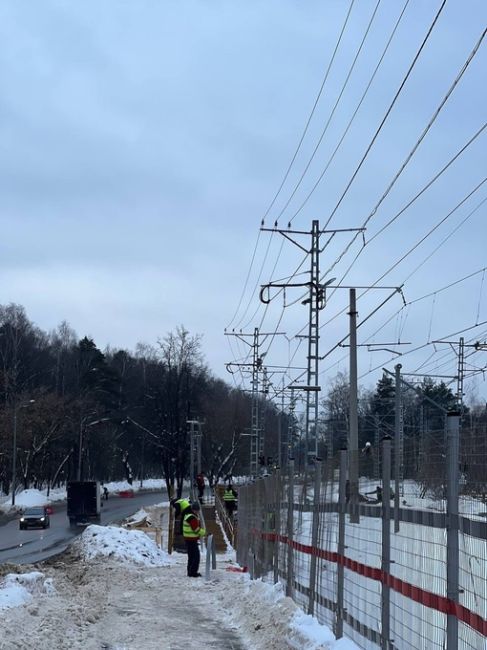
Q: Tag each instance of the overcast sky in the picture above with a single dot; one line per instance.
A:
(142, 143)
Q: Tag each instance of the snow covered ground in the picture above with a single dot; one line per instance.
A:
(114, 589)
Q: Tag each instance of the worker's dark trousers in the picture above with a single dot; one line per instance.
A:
(193, 550)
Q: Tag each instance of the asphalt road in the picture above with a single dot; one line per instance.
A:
(34, 545)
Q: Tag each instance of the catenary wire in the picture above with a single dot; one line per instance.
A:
(413, 151)
(397, 215)
(391, 106)
(246, 280)
(325, 78)
(330, 117)
(350, 122)
(408, 304)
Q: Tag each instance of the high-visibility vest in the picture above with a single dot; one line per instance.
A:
(183, 504)
(188, 532)
(229, 495)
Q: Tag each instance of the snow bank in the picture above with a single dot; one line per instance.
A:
(20, 588)
(131, 546)
(269, 619)
(30, 498)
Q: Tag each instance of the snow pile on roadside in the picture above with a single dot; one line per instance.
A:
(31, 497)
(25, 499)
(269, 619)
(113, 588)
(19, 589)
(131, 546)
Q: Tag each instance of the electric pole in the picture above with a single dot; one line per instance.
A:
(316, 302)
(256, 432)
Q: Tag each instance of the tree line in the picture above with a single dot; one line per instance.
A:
(77, 412)
(80, 413)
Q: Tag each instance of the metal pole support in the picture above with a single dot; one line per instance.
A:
(314, 537)
(209, 550)
(353, 420)
(386, 542)
(277, 530)
(290, 531)
(267, 514)
(452, 552)
(342, 507)
(14, 456)
(397, 444)
(191, 461)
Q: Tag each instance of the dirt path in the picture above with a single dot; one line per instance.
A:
(105, 605)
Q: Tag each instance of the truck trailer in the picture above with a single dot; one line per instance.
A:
(83, 502)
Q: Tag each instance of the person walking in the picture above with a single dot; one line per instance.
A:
(105, 493)
(230, 500)
(192, 532)
(200, 484)
(378, 495)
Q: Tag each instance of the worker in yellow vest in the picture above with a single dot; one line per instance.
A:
(230, 499)
(192, 531)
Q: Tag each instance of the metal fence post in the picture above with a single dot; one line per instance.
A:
(259, 527)
(398, 433)
(386, 542)
(277, 531)
(267, 515)
(252, 507)
(314, 537)
(353, 466)
(243, 539)
(209, 551)
(342, 506)
(213, 555)
(290, 531)
(452, 552)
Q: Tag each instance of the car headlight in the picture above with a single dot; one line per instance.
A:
(42, 518)
(22, 519)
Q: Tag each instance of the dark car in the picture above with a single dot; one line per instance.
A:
(34, 518)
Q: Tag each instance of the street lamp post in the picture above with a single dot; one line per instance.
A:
(14, 450)
(82, 426)
(14, 456)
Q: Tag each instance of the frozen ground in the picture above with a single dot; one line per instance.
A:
(114, 589)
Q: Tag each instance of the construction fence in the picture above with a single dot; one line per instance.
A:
(394, 557)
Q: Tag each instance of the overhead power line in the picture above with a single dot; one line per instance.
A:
(357, 108)
(391, 106)
(330, 117)
(402, 211)
(303, 135)
(246, 281)
(415, 148)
